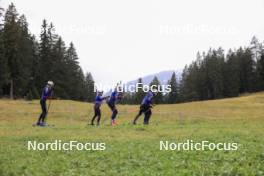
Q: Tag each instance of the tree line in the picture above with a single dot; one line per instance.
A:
(26, 64)
(214, 75)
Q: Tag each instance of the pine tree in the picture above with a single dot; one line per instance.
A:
(173, 95)
(80, 89)
(75, 75)
(26, 64)
(182, 86)
(189, 84)
(89, 87)
(255, 48)
(58, 69)
(14, 35)
(139, 95)
(215, 65)
(260, 73)
(45, 62)
(3, 64)
(231, 75)
(246, 70)
(26, 55)
(204, 79)
(52, 36)
(33, 85)
(3, 61)
(201, 78)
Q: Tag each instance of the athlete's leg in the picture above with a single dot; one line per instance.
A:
(138, 115)
(95, 115)
(147, 116)
(99, 116)
(44, 111)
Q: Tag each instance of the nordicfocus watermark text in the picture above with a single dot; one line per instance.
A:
(133, 87)
(203, 145)
(59, 145)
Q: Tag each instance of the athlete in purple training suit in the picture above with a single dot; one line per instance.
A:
(46, 93)
(97, 104)
(145, 108)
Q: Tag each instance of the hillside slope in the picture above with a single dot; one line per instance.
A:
(250, 106)
(134, 150)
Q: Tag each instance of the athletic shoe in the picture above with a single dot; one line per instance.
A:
(42, 124)
(113, 123)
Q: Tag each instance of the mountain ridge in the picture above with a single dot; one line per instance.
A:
(163, 77)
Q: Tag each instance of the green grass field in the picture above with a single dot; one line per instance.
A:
(134, 150)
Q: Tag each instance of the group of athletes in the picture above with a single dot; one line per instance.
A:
(145, 107)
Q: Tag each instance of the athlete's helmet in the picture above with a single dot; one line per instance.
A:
(100, 92)
(51, 83)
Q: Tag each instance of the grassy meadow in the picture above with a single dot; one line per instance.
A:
(134, 150)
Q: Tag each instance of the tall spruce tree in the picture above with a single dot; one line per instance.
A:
(255, 48)
(246, 70)
(173, 95)
(26, 55)
(3, 60)
(10, 39)
(33, 85)
(139, 95)
(214, 65)
(189, 83)
(260, 73)
(89, 88)
(45, 61)
(231, 75)
(58, 69)
(15, 36)
(26, 64)
(75, 74)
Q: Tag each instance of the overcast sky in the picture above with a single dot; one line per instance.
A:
(123, 40)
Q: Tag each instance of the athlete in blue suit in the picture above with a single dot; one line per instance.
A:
(46, 93)
(115, 96)
(145, 108)
(97, 104)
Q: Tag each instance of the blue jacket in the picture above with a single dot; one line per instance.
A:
(98, 100)
(113, 97)
(46, 92)
(147, 100)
